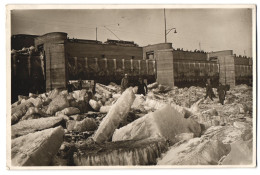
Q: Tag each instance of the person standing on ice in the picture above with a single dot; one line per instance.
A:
(142, 88)
(124, 83)
(221, 93)
(80, 82)
(94, 87)
(209, 91)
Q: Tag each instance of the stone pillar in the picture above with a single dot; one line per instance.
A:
(55, 56)
(55, 66)
(165, 69)
(227, 70)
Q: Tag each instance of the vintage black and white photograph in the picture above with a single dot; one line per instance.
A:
(150, 86)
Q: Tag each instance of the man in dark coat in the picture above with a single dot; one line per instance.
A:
(94, 87)
(226, 88)
(124, 83)
(80, 84)
(70, 87)
(142, 88)
(221, 93)
(209, 91)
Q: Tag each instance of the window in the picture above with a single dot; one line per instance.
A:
(150, 55)
(214, 59)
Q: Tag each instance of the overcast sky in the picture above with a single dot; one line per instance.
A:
(214, 29)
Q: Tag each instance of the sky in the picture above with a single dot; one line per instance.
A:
(208, 29)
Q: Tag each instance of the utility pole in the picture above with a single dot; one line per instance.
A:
(165, 27)
(96, 33)
(165, 30)
(199, 46)
(225, 70)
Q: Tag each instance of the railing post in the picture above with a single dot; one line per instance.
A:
(123, 64)
(86, 62)
(139, 66)
(114, 63)
(147, 67)
(96, 63)
(105, 63)
(154, 67)
(131, 61)
(29, 64)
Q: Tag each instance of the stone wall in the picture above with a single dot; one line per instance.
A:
(27, 74)
(239, 60)
(93, 50)
(188, 55)
(109, 69)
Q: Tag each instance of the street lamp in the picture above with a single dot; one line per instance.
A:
(168, 31)
(171, 30)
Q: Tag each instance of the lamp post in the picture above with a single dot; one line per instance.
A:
(167, 31)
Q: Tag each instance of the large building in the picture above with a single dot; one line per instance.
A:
(55, 59)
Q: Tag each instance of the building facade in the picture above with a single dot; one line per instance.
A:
(55, 59)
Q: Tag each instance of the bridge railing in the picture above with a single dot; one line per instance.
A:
(109, 69)
(193, 70)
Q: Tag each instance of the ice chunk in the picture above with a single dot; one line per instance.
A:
(166, 122)
(116, 114)
(36, 149)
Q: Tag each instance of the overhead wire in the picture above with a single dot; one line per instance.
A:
(69, 27)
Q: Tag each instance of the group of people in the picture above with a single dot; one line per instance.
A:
(142, 87)
(221, 92)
